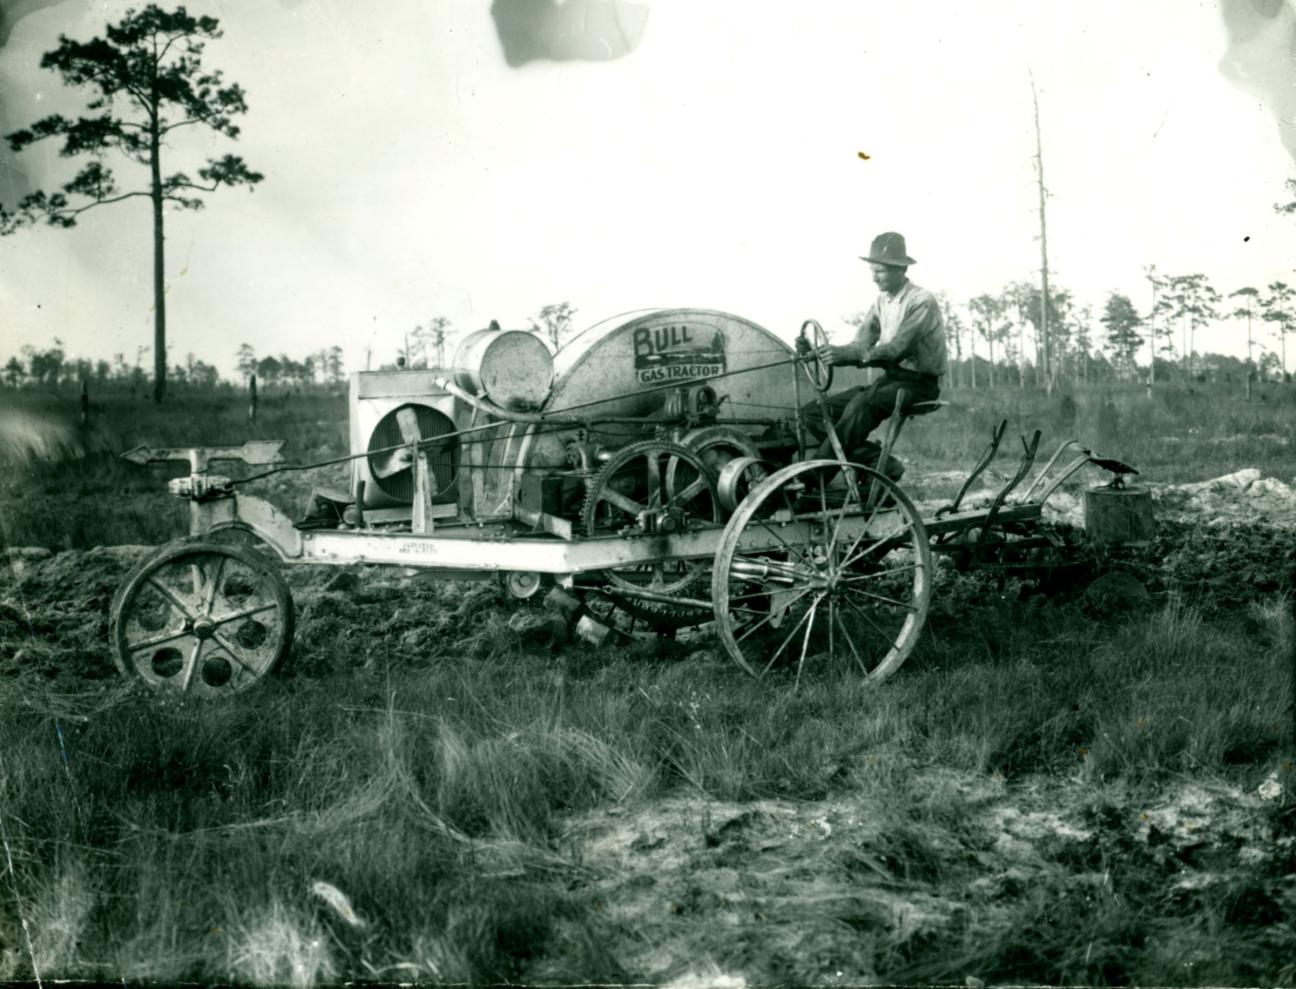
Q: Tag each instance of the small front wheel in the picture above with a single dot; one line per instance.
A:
(201, 618)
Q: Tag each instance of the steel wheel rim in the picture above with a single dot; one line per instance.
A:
(821, 592)
(201, 619)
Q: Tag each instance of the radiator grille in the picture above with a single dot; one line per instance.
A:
(443, 458)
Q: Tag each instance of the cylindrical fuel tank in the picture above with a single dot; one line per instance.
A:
(627, 366)
(512, 368)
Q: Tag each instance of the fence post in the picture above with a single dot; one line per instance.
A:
(252, 399)
(85, 402)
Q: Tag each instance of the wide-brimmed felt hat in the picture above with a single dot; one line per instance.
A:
(889, 248)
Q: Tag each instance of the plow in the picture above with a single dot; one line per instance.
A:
(652, 475)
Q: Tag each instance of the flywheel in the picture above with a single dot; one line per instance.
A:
(654, 488)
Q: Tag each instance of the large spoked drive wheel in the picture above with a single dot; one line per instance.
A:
(812, 572)
(201, 618)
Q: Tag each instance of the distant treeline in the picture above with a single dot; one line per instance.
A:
(1006, 338)
(53, 367)
(1013, 330)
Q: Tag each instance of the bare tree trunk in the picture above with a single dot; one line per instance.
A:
(1152, 332)
(1021, 353)
(1044, 272)
(1250, 366)
(958, 354)
(159, 262)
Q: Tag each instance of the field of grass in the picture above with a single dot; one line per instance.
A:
(1056, 789)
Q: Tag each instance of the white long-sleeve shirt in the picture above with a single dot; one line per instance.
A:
(906, 328)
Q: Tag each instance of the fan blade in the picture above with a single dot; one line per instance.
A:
(407, 419)
(385, 465)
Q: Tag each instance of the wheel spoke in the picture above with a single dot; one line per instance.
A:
(626, 504)
(873, 510)
(191, 664)
(788, 638)
(690, 492)
(230, 648)
(174, 598)
(852, 493)
(832, 615)
(157, 641)
(860, 577)
(653, 463)
(790, 548)
(245, 613)
(772, 615)
(215, 585)
(850, 643)
(805, 642)
(906, 605)
(867, 617)
(868, 522)
(897, 538)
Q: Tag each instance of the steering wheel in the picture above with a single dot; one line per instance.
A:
(819, 370)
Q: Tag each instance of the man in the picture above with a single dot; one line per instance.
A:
(904, 333)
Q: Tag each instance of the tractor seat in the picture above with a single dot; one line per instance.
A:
(924, 408)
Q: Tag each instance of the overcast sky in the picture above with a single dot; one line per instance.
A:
(411, 171)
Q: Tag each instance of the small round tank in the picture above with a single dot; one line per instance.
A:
(512, 368)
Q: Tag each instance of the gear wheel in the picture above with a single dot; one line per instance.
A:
(630, 495)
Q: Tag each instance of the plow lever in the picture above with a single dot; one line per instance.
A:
(982, 463)
(1027, 460)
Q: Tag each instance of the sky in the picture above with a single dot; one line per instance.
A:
(415, 166)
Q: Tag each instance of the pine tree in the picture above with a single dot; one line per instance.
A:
(151, 83)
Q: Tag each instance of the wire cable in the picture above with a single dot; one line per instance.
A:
(558, 427)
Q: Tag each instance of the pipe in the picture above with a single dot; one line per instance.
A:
(491, 409)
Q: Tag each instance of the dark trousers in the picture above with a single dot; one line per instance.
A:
(856, 412)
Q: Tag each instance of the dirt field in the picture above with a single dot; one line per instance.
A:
(54, 605)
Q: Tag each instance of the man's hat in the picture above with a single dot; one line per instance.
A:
(889, 248)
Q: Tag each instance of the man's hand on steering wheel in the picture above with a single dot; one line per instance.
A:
(835, 356)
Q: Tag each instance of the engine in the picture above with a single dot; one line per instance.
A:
(531, 428)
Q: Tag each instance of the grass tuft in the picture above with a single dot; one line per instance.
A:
(275, 947)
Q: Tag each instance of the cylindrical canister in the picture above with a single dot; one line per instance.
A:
(512, 368)
(1119, 515)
